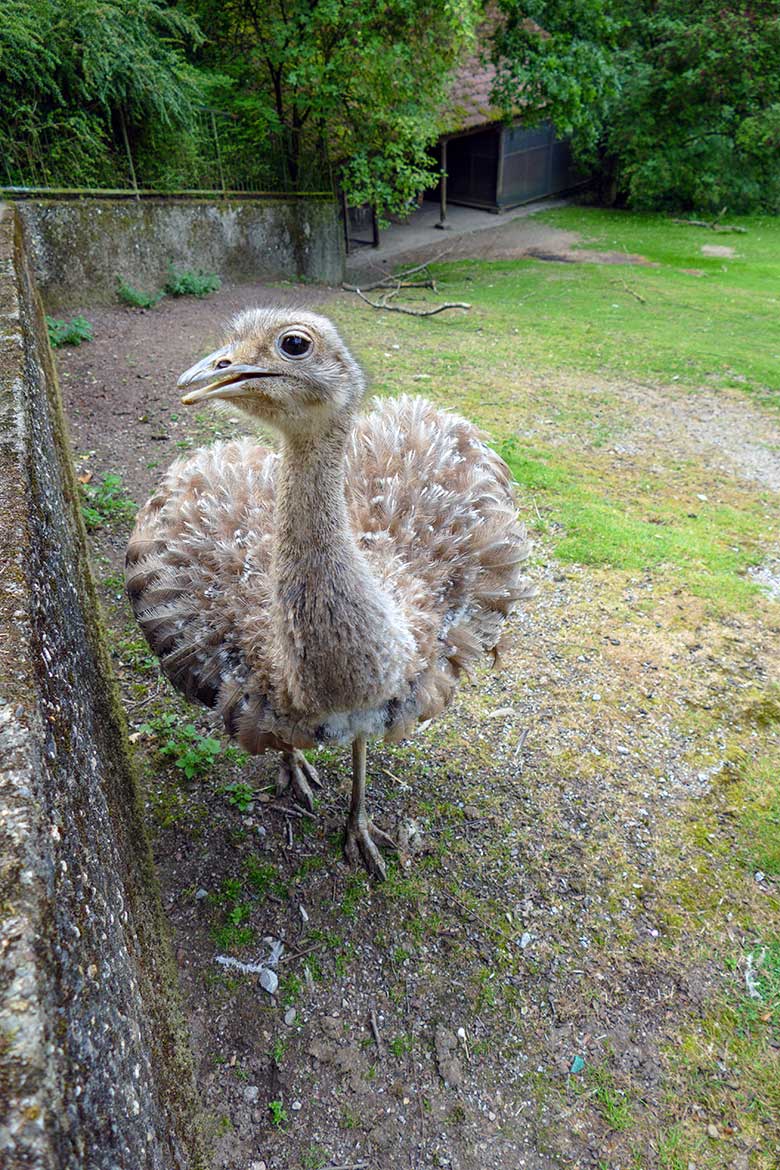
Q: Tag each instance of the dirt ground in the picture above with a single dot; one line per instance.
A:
(522, 991)
(476, 235)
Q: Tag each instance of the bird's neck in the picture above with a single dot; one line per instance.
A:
(342, 642)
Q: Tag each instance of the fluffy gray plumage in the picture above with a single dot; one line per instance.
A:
(340, 587)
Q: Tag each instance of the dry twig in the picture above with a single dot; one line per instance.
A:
(391, 282)
(713, 225)
(631, 291)
(375, 1032)
(412, 312)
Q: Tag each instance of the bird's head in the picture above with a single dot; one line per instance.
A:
(286, 368)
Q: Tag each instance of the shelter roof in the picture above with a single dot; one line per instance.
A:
(469, 104)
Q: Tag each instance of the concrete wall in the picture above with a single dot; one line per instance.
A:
(94, 1062)
(79, 247)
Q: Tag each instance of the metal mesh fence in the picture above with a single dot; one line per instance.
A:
(215, 157)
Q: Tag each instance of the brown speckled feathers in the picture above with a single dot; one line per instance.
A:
(432, 509)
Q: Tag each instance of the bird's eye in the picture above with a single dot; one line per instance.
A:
(221, 365)
(294, 345)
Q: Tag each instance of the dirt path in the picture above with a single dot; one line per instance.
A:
(544, 976)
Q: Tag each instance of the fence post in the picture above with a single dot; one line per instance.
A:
(129, 152)
(219, 153)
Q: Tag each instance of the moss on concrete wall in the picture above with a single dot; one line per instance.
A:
(94, 1060)
(79, 248)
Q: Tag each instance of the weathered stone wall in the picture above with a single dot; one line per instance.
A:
(79, 247)
(94, 1062)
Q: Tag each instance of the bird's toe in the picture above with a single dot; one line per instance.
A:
(360, 847)
(308, 770)
(292, 779)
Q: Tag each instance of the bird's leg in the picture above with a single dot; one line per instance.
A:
(298, 774)
(361, 835)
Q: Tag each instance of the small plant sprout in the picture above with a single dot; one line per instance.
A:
(192, 752)
(278, 1113)
(72, 332)
(239, 794)
(105, 503)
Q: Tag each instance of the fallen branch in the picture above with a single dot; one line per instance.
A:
(413, 312)
(713, 225)
(405, 273)
(391, 282)
(632, 292)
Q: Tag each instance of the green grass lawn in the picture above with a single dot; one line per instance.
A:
(701, 319)
(522, 363)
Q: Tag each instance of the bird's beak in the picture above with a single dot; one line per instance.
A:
(232, 381)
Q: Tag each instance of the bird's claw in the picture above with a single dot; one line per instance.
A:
(298, 774)
(360, 846)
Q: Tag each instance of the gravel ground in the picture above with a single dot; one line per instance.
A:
(524, 982)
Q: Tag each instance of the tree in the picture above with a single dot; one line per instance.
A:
(347, 86)
(70, 70)
(673, 103)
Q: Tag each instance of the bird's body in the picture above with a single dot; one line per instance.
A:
(336, 590)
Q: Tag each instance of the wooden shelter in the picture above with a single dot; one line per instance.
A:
(491, 164)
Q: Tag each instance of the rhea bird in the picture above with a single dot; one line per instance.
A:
(333, 591)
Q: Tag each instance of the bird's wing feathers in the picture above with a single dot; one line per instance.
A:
(197, 567)
(434, 510)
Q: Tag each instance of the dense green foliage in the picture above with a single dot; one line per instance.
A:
(673, 103)
(75, 75)
(350, 88)
(205, 94)
(136, 297)
(105, 503)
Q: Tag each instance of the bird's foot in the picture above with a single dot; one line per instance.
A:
(298, 774)
(360, 846)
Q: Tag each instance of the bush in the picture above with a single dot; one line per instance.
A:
(68, 332)
(191, 284)
(672, 104)
(135, 296)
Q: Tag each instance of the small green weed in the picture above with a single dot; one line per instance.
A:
(193, 753)
(290, 990)
(169, 805)
(762, 979)
(673, 1149)
(105, 503)
(135, 654)
(136, 297)
(185, 283)
(115, 582)
(263, 879)
(314, 1158)
(233, 931)
(357, 888)
(400, 1045)
(278, 1114)
(278, 1050)
(72, 332)
(612, 1103)
(239, 794)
